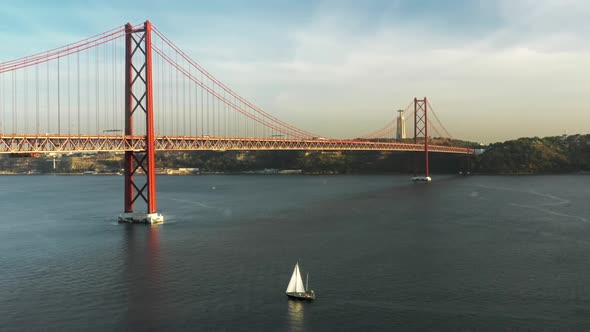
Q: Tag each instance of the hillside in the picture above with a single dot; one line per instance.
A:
(559, 154)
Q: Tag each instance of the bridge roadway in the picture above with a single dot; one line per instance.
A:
(112, 143)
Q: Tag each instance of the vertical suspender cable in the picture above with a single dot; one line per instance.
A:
(13, 101)
(202, 110)
(97, 91)
(25, 101)
(247, 125)
(48, 129)
(190, 110)
(177, 113)
(226, 119)
(171, 101)
(161, 94)
(208, 122)
(197, 109)
(69, 109)
(158, 94)
(37, 99)
(105, 125)
(170, 110)
(183, 105)
(114, 86)
(218, 111)
(163, 110)
(58, 101)
(78, 89)
(2, 100)
(88, 80)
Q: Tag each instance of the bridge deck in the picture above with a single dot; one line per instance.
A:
(84, 143)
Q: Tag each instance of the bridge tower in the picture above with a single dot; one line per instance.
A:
(139, 103)
(421, 130)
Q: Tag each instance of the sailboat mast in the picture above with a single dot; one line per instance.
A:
(307, 283)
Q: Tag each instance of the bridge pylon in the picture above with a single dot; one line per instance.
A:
(421, 130)
(139, 103)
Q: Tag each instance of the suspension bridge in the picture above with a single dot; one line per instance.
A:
(132, 90)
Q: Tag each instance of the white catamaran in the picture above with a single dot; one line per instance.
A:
(296, 290)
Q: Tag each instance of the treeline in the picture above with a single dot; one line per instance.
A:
(559, 154)
(309, 162)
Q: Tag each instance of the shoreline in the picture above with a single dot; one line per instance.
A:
(293, 174)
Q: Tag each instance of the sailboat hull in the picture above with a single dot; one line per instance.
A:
(302, 296)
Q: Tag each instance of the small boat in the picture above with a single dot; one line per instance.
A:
(295, 290)
(421, 179)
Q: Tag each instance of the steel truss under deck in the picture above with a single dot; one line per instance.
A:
(64, 143)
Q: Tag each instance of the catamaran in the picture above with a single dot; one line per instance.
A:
(296, 290)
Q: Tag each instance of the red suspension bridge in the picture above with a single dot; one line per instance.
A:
(133, 90)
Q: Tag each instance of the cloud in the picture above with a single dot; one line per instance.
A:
(543, 25)
(493, 69)
(522, 70)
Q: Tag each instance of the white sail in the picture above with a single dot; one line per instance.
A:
(293, 281)
(296, 283)
(299, 288)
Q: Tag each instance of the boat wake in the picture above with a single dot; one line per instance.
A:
(541, 209)
(555, 201)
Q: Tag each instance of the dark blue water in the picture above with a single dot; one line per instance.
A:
(460, 254)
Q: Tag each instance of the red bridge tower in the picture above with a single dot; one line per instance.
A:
(421, 130)
(139, 102)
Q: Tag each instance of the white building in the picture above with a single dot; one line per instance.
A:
(401, 126)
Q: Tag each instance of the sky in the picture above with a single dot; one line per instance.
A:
(493, 69)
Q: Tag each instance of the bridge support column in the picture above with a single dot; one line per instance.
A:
(139, 99)
(465, 165)
(421, 130)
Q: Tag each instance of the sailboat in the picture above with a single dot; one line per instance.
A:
(296, 290)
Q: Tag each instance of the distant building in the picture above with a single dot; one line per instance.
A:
(182, 171)
(401, 126)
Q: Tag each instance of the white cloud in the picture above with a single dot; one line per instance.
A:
(509, 82)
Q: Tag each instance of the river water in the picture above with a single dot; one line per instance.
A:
(460, 254)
